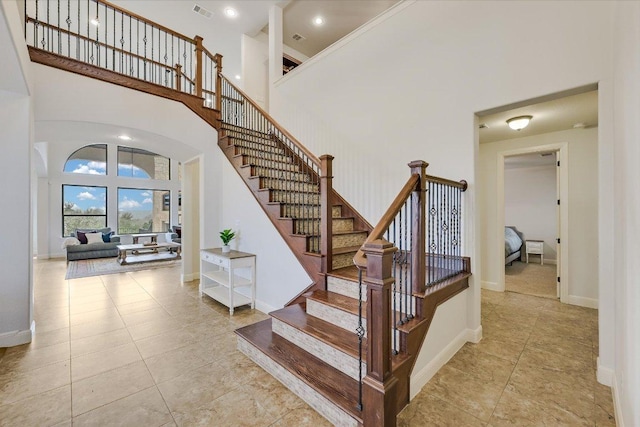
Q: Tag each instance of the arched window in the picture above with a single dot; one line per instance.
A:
(90, 159)
(138, 163)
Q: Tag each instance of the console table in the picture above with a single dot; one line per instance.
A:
(218, 278)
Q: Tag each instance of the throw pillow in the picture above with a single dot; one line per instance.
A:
(82, 237)
(94, 238)
(106, 237)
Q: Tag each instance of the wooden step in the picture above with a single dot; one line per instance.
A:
(266, 163)
(292, 196)
(335, 308)
(276, 184)
(228, 127)
(262, 152)
(330, 392)
(259, 170)
(249, 141)
(334, 345)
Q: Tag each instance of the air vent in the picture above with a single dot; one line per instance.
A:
(483, 126)
(202, 11)
(297, 37)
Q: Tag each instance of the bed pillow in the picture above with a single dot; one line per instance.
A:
(94, 238)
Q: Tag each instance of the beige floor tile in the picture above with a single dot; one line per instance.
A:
(153, 328)
(428, 410)
(164, 342)
(101, 389)
(463, 390)
(604, 418)
(45, 339)
(178, 362)
(564, 346)
(483, 366)
(507, 350)
(29, 359)
(100, 315)
(145, 408)
(130, 299)
(136, 307)
(16, 386)
(604, 398)
(52, 325)
(45, 409)
(271, 394)
(139, 317)
(515, 410)
(84, 307)
(90, 329)
(91, 364)
(562, 369)
(100, 342)
(302, 417)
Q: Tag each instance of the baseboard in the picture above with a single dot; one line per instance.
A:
(616, 402)
(264, 307)
(582, 301)
(420, 379)
(550, 261)
(14, 338)
(491, 286)
(189, 277)
(474, 335)
(605, 375)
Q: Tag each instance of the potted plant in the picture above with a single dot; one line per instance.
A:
(226, 236)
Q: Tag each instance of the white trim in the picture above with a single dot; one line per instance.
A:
(13, 338)
(582, 301)
(492, 286)
(552, 261)
(420, 379)
(616, 402)
(606, 376)
(387, 14)
(563, 175)
(474, 335)
(189, 277)
(264, 307)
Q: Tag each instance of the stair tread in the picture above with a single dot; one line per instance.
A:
(335, 336)
(345, 250)
(334, 385)
(336, 233)
(339, 301)
(289, 191)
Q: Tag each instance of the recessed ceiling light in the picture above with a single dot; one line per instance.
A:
(318, 20)
(231, 12)
(237, 76)
(124, 137)
(95, 21)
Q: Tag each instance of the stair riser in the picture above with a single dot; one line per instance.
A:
(229, 129)
(263, 152)
(345, 287)
(302, 226)
(276, 184)
(294, 197)
(342, 260)
(323, 406)
(301, 211)
(280, 174)
(336, 358)
(278, 165)
(333, 315)
(348, 240)
(248, 142)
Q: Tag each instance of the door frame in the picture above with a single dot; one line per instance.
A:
(562, 178)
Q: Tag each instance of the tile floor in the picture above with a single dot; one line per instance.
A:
(141, 349)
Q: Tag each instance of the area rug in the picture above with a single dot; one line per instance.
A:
(102, 266)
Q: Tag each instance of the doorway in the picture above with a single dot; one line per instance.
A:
(532, 220)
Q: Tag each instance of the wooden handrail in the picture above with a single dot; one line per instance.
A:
(143, 19)
(85, 38)
(359, 259)
(302, 148)
(462, 185)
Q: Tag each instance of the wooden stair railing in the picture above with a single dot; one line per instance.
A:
(410, 264)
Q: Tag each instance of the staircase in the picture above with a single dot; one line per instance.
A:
(348, 342)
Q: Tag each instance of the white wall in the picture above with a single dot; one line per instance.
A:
(530, 204)
(16, 145)
(621, 338)
(582, 165)
(406, 87)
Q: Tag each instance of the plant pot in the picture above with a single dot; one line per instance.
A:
(226, 249)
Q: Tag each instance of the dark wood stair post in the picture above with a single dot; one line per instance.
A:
(418, 202)
(379, 386)
(326, 217)
(218, 59)
(199, 66)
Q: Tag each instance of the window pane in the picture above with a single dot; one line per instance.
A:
(91, 160)
(83, 207)
(143, 211)
(136, 163)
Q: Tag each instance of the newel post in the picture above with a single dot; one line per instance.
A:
(418, 229)
(179, 77)
(218, 59)
(199, 66)
(326, 217)
(379, 386)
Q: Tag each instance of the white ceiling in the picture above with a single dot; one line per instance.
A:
(548, 116)
(340, 18)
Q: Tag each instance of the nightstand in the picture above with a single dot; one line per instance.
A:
(535, 247)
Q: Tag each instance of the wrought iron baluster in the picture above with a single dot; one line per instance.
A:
(360, 331)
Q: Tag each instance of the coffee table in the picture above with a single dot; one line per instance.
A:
(148, 253)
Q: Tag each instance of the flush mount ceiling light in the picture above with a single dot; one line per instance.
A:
(230, 12)
(124, 137)
(95, 22)
(318, 20)
(519, 123)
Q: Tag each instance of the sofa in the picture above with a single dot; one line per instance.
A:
(105, 249)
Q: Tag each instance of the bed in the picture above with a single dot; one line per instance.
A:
(513, 244)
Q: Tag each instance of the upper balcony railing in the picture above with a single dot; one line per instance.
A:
(99, 33)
